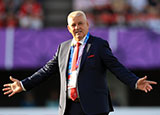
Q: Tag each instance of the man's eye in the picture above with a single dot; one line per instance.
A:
(73, 25)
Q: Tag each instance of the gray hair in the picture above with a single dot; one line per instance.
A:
(76, 14)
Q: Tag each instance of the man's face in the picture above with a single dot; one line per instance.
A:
(78, 27)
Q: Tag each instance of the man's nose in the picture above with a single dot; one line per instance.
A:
(77, 27)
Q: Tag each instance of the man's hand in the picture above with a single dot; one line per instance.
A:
(145, 85)
(12, 88)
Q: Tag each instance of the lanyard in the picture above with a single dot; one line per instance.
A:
(81, 50)
(80, 53)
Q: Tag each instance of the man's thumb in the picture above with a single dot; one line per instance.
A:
(12, 79)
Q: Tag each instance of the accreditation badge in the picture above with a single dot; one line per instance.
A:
(73, 79)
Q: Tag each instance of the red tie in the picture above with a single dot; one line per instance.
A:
(75, 57)
(74, 94)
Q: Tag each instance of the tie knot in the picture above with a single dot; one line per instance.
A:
(78, 44)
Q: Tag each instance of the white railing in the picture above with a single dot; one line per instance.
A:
(54, 111)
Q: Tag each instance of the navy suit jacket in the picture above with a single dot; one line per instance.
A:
(92, 85)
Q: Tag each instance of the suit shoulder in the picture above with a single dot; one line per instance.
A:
(66, 42)
(99, 40)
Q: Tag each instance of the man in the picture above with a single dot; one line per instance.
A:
(82, 63)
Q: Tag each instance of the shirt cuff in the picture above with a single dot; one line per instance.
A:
(136, 85)
(22, 86)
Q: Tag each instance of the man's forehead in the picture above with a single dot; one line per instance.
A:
(75, 20)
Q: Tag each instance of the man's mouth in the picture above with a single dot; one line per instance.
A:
(78, 32)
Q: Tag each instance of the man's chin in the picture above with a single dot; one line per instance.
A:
(78, 38)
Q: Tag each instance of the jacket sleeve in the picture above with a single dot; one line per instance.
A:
(42, 74)
(112, 63)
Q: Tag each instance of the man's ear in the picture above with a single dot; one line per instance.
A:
(68, 28)
(87, 23)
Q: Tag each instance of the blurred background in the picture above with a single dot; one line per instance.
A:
(30, 31)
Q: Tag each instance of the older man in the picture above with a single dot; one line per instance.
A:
(82, 63)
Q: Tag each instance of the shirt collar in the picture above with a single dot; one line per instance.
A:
(81, 41)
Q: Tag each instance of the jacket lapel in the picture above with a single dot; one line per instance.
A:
(67, 54)
(85, 52)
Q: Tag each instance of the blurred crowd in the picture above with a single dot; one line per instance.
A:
(21, 13)
(103, 13)
(141, 13)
